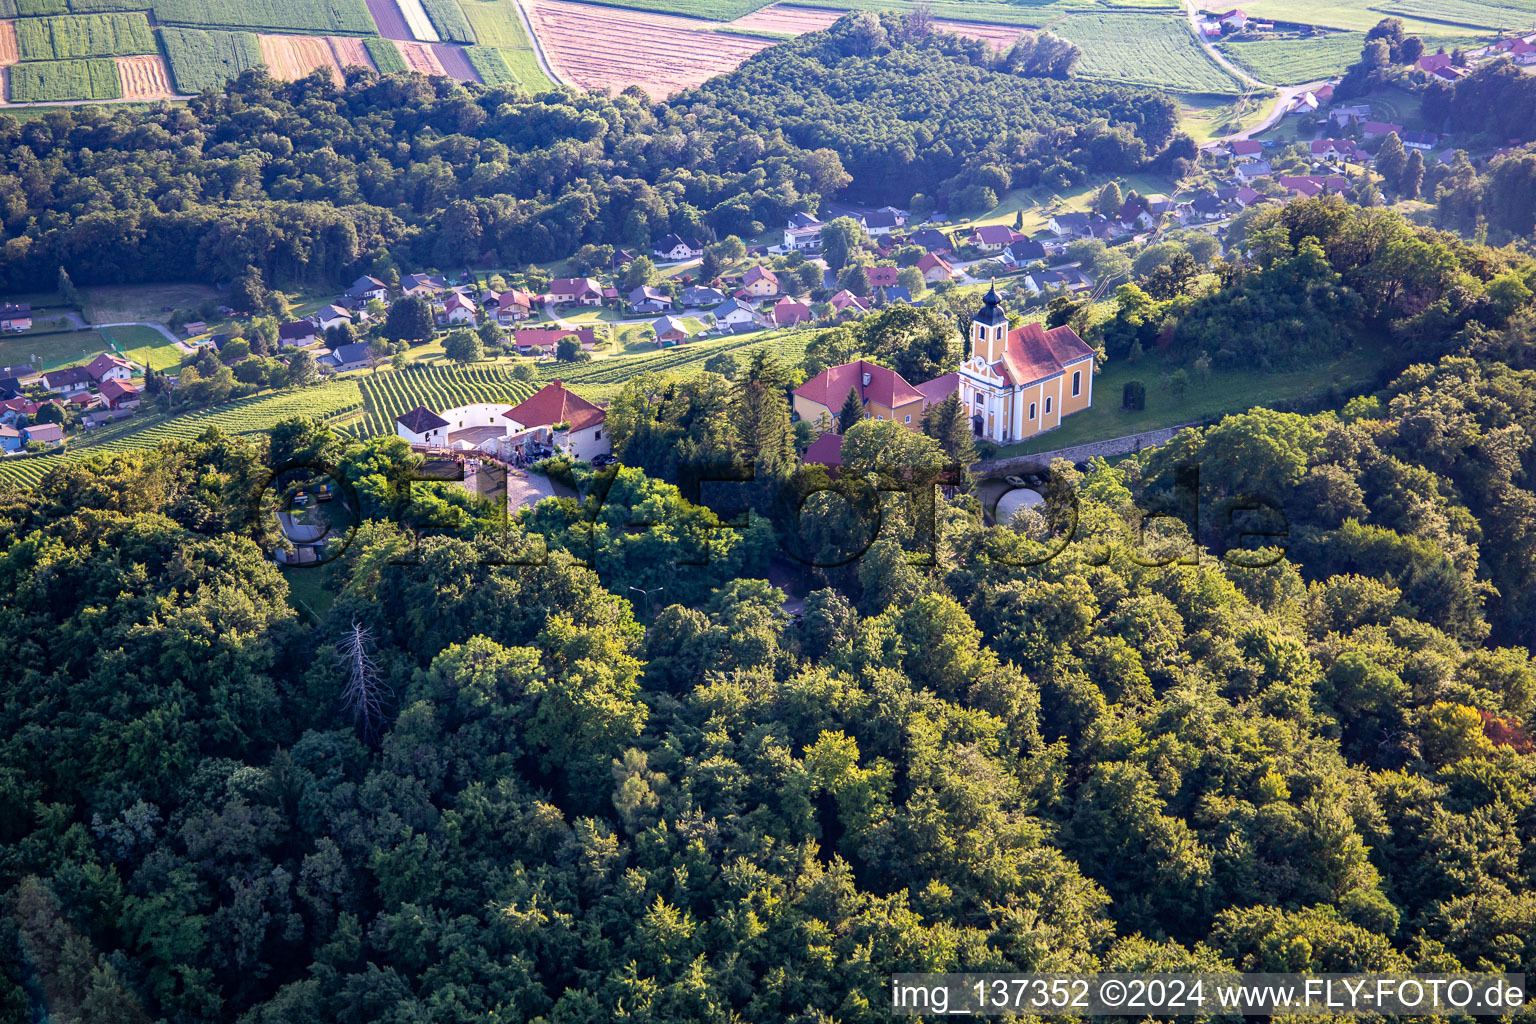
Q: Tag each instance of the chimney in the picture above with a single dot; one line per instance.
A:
(866, 380)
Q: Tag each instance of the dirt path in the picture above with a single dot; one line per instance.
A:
(538, 49)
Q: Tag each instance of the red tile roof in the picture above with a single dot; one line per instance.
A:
(1033, 353)
(757, 274)
(549, 337)
(112, 390)
(882, 277)
(826, 450)
(995, 234)
(788, 311)
(1247, 147)
(936, 390)
(104, 363)
(929, 261)
(554, 404)
(830, 387)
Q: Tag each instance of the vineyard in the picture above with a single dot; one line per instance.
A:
(1294, 61)
(601, 379)
(1144, 49)
(438, 387)
(52, 81)
(200, 59)
(490, 65)
(84, 35)
(325, 17)
(245, 416)
(385, 56)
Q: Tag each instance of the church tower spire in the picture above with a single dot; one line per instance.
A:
(989, 329)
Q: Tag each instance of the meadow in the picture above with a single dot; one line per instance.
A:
(448, 18)
(1145, 49)
(1513, 15)
(1295, 61)
(144, 345)
(201, 59)
(385, 56)
(58, 80)
(84, 35)
(496, 24)
(490, 65)
(1355, 15)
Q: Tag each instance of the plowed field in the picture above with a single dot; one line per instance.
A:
(608, 47)
(292, 57)
(420, 58)
(8, 53)
(788, 18)
(144, 78)
(350, 52)
(455, 62)
(1000, 36)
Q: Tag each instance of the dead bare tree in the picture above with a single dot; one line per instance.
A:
(365, 693)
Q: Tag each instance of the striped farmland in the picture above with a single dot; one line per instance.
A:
(437, 386)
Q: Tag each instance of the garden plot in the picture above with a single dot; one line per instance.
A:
(144, 78)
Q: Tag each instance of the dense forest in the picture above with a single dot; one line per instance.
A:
(1060, 742)
(312, 184)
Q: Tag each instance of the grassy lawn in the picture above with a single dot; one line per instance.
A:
(1227, 391)
(1204, 118)
(46, 351)
(118, 304)
(1038, 205)
(1358, 15)
(145, 346)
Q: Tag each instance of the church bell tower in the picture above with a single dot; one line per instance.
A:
(989, 330)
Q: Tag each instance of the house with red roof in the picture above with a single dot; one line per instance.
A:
(1021, 382)
(883, 277)
(826, 450)
(787, 312)
(119, 394)
(936, 390)
(109, 367)
(533, 341)
(1334, 149)
(934, 269)
(1247, 147)
(993, 237)
(459, 310)
(555, 404)
(1310, 185)
(1373, 130)
(760, 283)
(884, 394)
(845, 303)
(1432, 62)
(582, 291)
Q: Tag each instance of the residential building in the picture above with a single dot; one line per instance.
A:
(555, 404)
(532, 341)
(109, 367)
(423, 285)
(1254, 170)
(119, 394)
(935, 269)
(1246, 147)
(328, 317)
(1313, 184)
(933, 240)
(802, 232)
(1432, 62)
(883, 394)
(15, 317)
(882, 277)
(936, 390)
(1334, 149)
(10, 439)
(702, 296)
(992, 237)
(1341, 116)
(1069, 225)
(347, 357)
(1025, 251)
(1070, 278)
(422, 426)
(581, 291)
(47, 433)
(1373, 130)
(736, 313)
(1020, 382)
(1234, 20)
(365, 289)
(646, 299)
(1135, 215)
(669, 331)
(883, 221)
(68, 380)
(1422, 141)
(788, 312)
(826, 450)
(845, 303)
(760, 283)
(295, 334)
(678, 247)
(458, 309)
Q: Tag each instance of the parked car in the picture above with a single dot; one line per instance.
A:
(603, 461)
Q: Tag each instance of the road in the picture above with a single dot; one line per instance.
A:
(538, 49)
(1283, 102)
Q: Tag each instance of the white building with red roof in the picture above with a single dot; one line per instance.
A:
(883, 393)
(1021, 382)
(554, 404)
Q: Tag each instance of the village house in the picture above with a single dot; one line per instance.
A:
(68, 381)
(347, 357)
(511, 306)
(109, 367)
(554, 404)
(883, 221)
(847, 304)
(1021, 382)
(882, 392)
(331, 316)
(423, 285)
(675, 247)
(932, 239)
(581, 291)
(992, 237)
(934, 269)
(1373, 130)
(533, 341)
(1070, 278)
(15, 317)
(882, 277)
(365, 289)
(1246, 147)
(646, 299)
(422, 426)
(458, 309)
(1254, 170)
(45, 433)
(1422, 141)
(699, 295)
(1134, 215)
(826, 450)
(788, 311)
(10, 439)
(1070, 225)
(296, 334)
(1310, 185)
(1429, 63)
(760, 283)
(1232, 21)
(84, 401)
(669, 331)
(802, 232)
(118, 394)
(1334, 149)
(735, 313)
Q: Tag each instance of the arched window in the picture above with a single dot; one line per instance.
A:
(1047, 406)
(1077, 383)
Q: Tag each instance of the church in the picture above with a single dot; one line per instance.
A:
(1021, 382)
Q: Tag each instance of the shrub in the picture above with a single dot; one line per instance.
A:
(1134, 398)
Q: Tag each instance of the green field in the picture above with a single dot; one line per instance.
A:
(53, 81)
(84, 35)
(449, 20)
(438, 387)
(1145, 49)
(496, 24)
(33, 8)
(1001, 12)
(200, 59)
(1355, 15)
(385, 56)
(340, 17)
(1227, 391)
(144, 345)
(1505, 17)
(245, 416)
(490, 65)
(47, 351)
(1294, 61)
